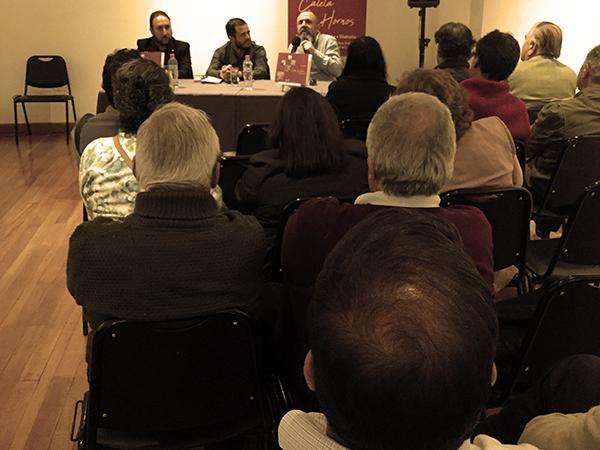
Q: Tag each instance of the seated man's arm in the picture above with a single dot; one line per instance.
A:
(261, 67)
(214, 69)
(564, 431)
(185, 62)
(547, 129)
(330, 60)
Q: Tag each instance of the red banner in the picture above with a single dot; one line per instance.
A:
(344, 19)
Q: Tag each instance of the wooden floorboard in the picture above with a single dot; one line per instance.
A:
(42, 367)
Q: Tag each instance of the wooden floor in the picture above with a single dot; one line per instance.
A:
(42, 368)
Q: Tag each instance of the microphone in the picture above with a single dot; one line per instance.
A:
(295, 43)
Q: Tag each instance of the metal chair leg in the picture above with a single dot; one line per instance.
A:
(74, 113)
(26, 118)
(67, 120)
(16, 123)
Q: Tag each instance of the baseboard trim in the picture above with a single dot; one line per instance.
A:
(8, 129)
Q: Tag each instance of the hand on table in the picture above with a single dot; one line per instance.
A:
(225, 73)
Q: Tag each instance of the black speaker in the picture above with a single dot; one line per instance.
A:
(423, 3)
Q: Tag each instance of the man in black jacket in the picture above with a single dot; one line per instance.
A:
(162, 41)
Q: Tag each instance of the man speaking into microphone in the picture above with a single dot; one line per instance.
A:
(327, 63)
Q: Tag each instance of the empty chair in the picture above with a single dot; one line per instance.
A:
(565, 323)
(178, 384)
(508, 210)
(252, 139)
(46, 72)
(577, 252)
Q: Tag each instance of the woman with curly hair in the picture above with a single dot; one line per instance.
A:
(485, 150)
(106, 180)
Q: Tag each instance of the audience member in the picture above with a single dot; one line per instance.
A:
(231, 56)
(327, 63)
(540, 78)
(105, 123)
(455, 42)
(362, 87)
(485, 150)
(496, 55)
(402, 338)
(176, 255)
(562, 120)
(106, 180)
(162, 41)
(411, 144)
(309, 158)
(559, 412)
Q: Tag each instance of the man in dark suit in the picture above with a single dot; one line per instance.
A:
(162, 41)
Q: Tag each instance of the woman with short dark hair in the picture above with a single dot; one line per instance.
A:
(309, 158)
(362, 88)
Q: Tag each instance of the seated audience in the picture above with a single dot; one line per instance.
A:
(540, 78)
(176, 255)
(402, 342)
(455, 42)
(496, 55)
(561, 120)
(232, 55)
(411, 144)
(327, 63)
(485, 150)
(560, 412)
(106, 123)
(162, 41)
(362, 87)
(106, 180)
(309, 159)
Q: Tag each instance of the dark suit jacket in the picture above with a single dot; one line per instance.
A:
(358, 95)
(181, 49)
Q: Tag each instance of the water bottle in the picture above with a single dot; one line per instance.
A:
(247, 72)
(173, 70)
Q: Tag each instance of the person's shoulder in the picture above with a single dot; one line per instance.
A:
(483, 442)
(245, 227)
(355, 147)
(142, 44)
(181, 44)
(491, 125)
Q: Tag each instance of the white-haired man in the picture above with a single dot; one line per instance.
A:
(561, 120)
(411, 145)
(177, 255)
(327, 63)
(540, 78)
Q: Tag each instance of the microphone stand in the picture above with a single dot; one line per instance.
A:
(423, 41)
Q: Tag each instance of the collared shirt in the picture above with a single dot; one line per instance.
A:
(327, 63)
(380, 198)
(541, 80)
(227, 55)
(308, 431)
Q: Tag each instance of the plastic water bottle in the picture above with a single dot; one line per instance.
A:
(173, 70)
(247, 72)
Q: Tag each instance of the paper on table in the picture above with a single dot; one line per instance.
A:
(210, 80)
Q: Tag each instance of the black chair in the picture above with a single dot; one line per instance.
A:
(178, 384)
(565, 323)
(509, 211)
(521, 151)
(46, 72)
(355, 127)
(532, 115)
(578, 168)
(252, 139)
(232, 168)
(577, 251)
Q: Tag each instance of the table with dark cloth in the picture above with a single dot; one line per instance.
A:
(230, 107)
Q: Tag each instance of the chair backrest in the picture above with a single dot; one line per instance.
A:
(46, 71)
(565, 323)
(200, 374)
(579, 167)
(521, 151)
(355, 127)
(252, 139)
(580, 242)
(232, 168)
(509, 211)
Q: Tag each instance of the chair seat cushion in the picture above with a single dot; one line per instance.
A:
(41, 98)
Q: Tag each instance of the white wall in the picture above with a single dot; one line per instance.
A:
(85, 31)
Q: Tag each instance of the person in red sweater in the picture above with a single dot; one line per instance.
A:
(496, 56)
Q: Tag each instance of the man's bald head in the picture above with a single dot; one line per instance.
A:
(544, 39)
